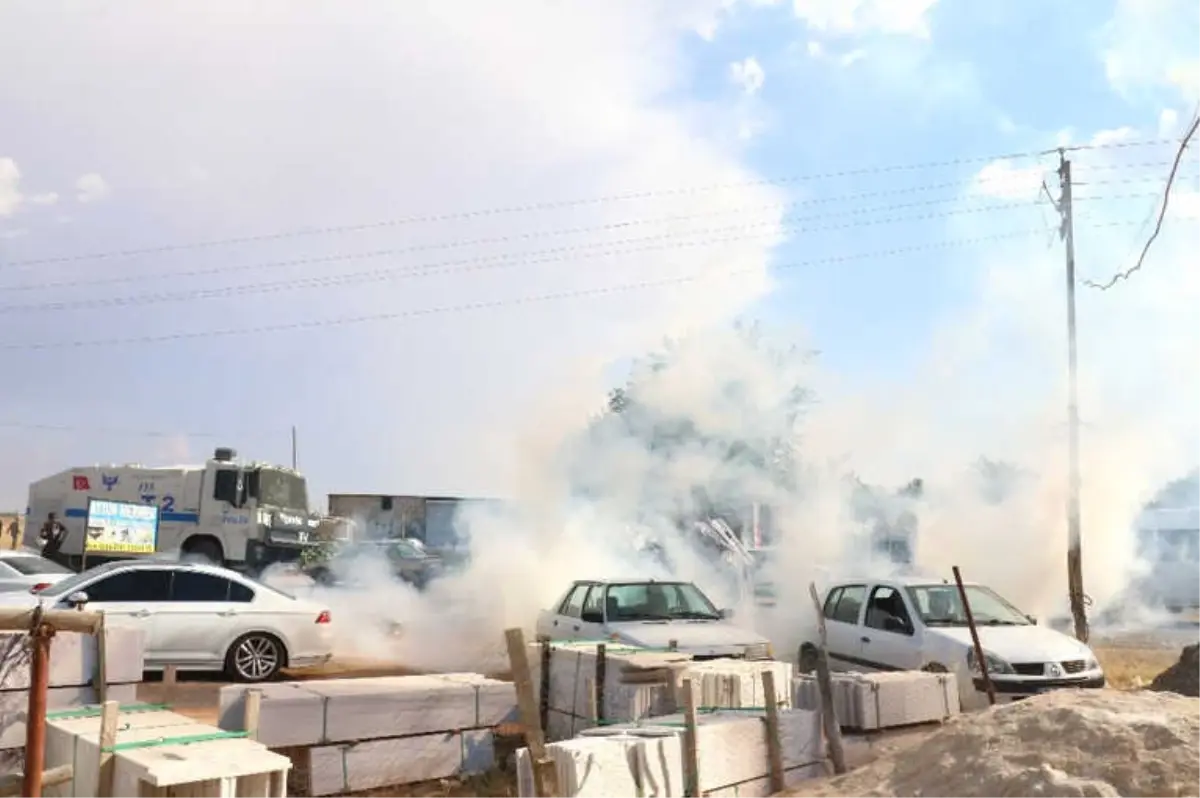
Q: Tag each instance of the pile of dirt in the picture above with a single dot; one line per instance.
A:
(1065, 743)
(1184, 676)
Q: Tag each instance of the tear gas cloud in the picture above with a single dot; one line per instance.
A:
(724, 416)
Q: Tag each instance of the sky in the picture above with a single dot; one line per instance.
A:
(408, 229)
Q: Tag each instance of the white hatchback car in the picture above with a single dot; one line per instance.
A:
(198, 617)
(26, 569)
(918, 624)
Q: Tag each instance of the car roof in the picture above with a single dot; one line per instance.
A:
(6, 554)
(163, 563)
(900, 581)
(631, 581)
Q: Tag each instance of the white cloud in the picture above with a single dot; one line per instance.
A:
(748, 74)
(1150, 45)
(1006, 180)
(91, 188)
(45, 198)
(856, 17)
(550, 102)
(1168, 123)
(814, 48)
(852, 57)
(10, 187)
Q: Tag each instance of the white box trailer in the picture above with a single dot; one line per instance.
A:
(240, 514)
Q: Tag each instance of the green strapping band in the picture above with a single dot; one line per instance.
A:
(185, 740)
(731, 709)
(95, 711)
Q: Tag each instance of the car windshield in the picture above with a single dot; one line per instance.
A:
(940, 605)
(32, 565)
(657, 601)
(407, 550)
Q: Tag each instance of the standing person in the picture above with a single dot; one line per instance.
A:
(14, 531)
(53, 534)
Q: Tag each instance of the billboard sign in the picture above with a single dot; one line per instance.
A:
(121, 527)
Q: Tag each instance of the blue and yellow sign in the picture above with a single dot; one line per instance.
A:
(121, 527)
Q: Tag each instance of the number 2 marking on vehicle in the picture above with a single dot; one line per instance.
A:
(168, 504)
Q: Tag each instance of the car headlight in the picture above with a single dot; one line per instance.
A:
(994, 663)
(758, 651)
(1091, 664)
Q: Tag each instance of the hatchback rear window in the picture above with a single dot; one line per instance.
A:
(31, 566)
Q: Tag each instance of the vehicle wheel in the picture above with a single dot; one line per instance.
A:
(204, 549)
(934, 667)
(255, 657)
(806, 660)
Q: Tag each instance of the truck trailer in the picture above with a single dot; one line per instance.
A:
(244, 515)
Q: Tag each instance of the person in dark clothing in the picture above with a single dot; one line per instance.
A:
(14, 532)
(53, 533)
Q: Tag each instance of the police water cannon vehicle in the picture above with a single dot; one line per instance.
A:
(244, 515)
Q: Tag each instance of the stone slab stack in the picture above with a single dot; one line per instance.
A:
(72, 672)
(161, 753)
(358, 734)
(634, 683)
(872, 701)
(646, 758)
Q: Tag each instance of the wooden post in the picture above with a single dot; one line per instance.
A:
(983, 669)
(108, 738)
(691, 758)
(601, 679)
(101, 677)
(833, 730)
(544, 697)
(35, 718)
(170, 674)
(774, 749)
(545, 776)
(251, 711)
(589, 686)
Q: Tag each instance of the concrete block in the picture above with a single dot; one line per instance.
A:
(14, 703)
(870, 701)
(289, 716)
(336, 769)
(589, 767)
(733, 683)
(495, 701)
(73, 658)
(215, 767)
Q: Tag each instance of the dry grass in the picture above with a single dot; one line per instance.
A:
(1130, 668)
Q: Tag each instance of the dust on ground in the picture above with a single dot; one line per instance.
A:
(1065, 743)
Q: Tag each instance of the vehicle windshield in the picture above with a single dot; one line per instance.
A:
(939, 605)
(32, 565)
(408, 550)
(657, 601)
(281, 489)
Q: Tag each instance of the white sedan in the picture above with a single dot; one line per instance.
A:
(918, 624)
(650, 614)
(25, 569)
(198, 617)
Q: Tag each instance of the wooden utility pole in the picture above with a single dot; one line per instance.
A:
(1074, 536)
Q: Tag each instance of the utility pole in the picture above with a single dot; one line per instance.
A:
(1074, 537)
(293, 447)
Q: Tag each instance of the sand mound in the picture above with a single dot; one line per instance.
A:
(1066, 743)
(1184, 676)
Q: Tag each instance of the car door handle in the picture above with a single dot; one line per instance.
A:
(865, 639)
(555, 623)
(142, 614)
(227, 613)
(575, 627)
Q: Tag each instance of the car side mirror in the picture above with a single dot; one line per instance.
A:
(77, 599)
(592, 617)
(726, 613)
(893, 624)
(1032, 619)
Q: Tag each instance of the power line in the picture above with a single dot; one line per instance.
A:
(1162, 213)
(469, 264)
(518, 301)
(665, 241)
(561, 204)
